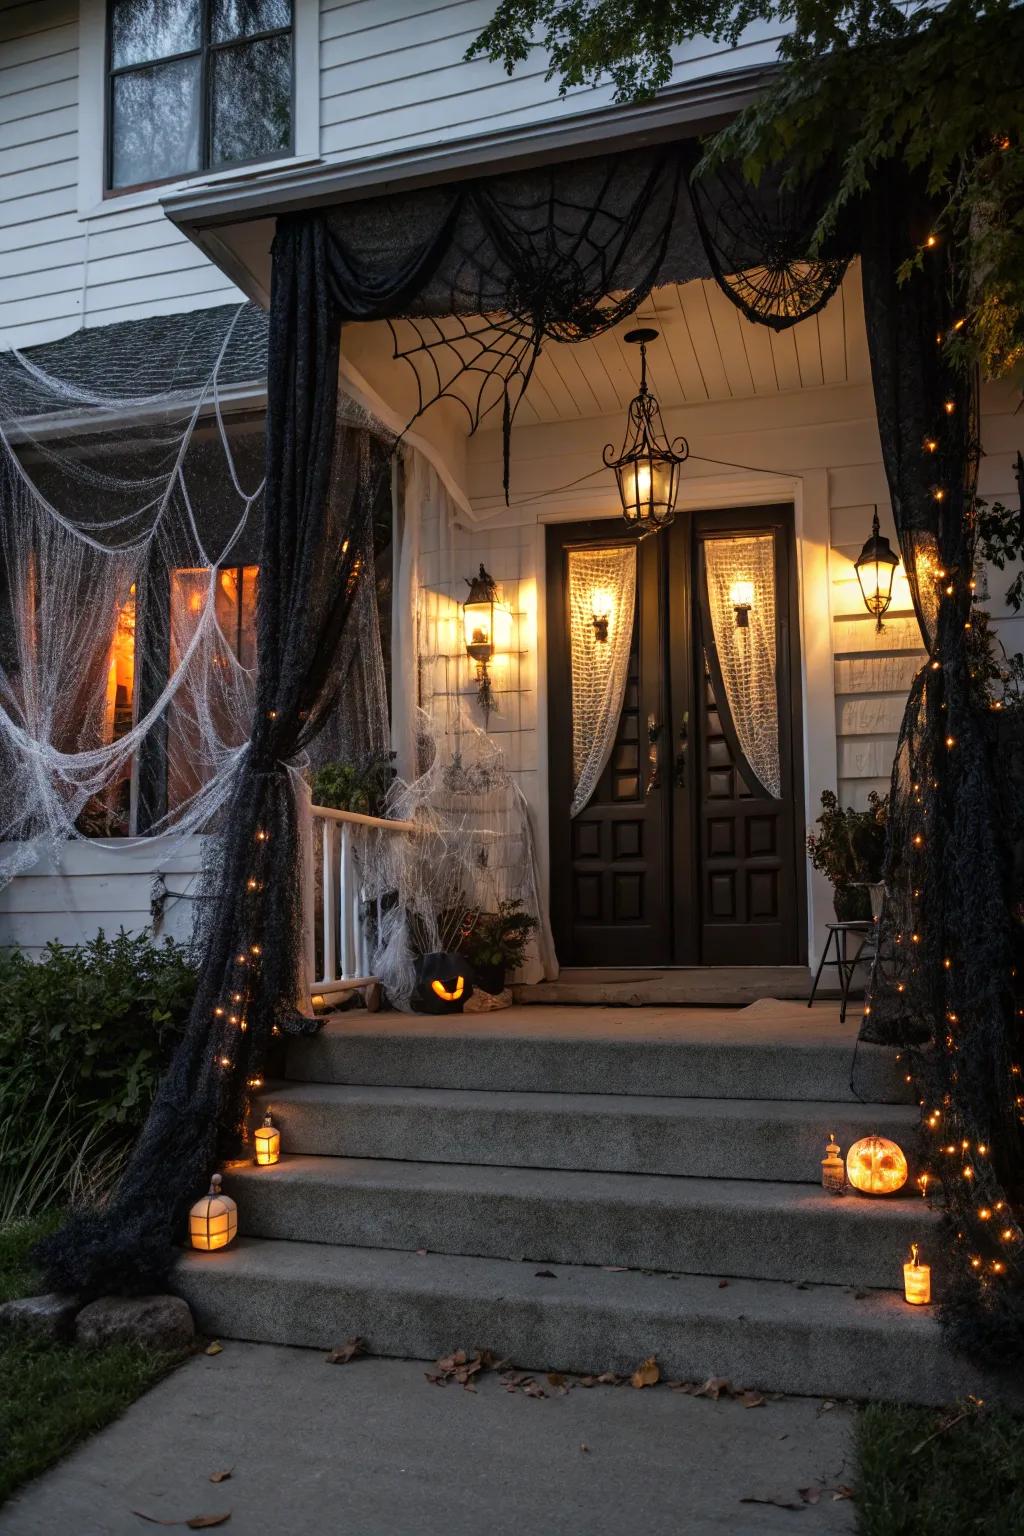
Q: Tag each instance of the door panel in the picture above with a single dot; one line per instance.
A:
(609, 864)
(677, 859)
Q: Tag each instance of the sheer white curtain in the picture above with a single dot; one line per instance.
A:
(602, 587)
(746, 653)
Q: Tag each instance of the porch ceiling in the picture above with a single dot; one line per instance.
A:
(713, 353)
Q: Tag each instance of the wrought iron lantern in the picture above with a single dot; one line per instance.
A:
(875, 566)
(487, 627)
(647, 466)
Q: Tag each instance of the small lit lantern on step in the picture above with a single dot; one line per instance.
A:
(268, 1142)
(875, 566)
(741, 595)
(213, 1220)
(833, 1169)
(876, 1166)
(917, 1280)
(647, 465)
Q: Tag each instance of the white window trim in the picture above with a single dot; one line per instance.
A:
(92, 31)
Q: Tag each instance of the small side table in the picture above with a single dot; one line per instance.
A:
(839, 935)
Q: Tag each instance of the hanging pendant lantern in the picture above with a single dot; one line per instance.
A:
(647, 466)
(875, 566)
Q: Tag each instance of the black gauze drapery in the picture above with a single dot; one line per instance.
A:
(250, 975)
(945, 989)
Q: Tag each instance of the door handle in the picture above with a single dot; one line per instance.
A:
(682, 749)
(653, 767)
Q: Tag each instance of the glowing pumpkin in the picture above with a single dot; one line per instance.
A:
(876, 1166)
(442, 985)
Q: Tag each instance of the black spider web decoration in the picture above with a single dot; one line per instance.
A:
(531, 268)
(757, 240)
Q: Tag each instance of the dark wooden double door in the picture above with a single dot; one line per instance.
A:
(680, 857)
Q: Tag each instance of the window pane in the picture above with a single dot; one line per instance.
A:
(141, 30)
(241, 18)
(252, 101)
(155, 127)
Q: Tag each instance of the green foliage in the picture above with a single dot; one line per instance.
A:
(499, 938)
(939, 1473)
(1001, 542)
(361, 787)
(936, 85)
(84, 1035)
(56, 1394)
(851, 844)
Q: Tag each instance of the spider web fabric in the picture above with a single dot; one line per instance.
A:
(599, 667)
(747, 654)
(758, 241)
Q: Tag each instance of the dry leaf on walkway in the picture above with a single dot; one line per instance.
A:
(646, 1375)
(810, 1495)
(780, 1500)
(715, 1387)
(531, 1389)
(215, 1348)
(350, 1350)
(610, 1379)
(841, 1491)
(206, 1522)
(544, 1274)
(722, 1284)
(559, 1380)
(585, 1447)
(221, 1477)
(615, 1269)
(751, 1399)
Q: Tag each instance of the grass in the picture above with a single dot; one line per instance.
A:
(54, 1395)
(922, 1475)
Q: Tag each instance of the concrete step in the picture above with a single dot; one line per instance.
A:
(767, 1051)
(760, 1334)
(777, 1139)
(721, 1227)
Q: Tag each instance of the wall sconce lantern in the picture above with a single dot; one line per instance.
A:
(875, 566)
(741, 595)
(647, 466)
(488, 629)
(213, 1220)
(601, 604)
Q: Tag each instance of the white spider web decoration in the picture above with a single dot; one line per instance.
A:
(747, 653)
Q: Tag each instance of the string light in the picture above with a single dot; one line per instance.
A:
(949, 406)
(262, 836)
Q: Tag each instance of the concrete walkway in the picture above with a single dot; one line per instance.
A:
(372, 1449)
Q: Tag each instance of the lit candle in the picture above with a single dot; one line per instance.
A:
(917, 1280)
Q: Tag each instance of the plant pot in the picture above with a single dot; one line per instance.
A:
(490, 978)
(852, 903)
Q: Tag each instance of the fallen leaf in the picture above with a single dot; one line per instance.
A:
(722, 1284)
(715, 1387)
(531, 1389)
(544, 1274)
(682, 1386)
(557, 1379)
(155, 1519)
(780, 1500)
(841, 1491)
(350, 1350)
(221, 1477)
(646, 1375)
(588, 1381)
(609, 1379)
(826, 1407)
(751, 1399)
(205, 1522)
(615, 1269)
(421, 1253)
(585, 1447)
(215, 1348)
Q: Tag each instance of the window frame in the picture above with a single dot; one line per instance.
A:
(203, 52)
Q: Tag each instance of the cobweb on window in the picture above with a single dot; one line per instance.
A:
(747, 653)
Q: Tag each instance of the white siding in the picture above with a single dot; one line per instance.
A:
(58, 268)
(100, 885)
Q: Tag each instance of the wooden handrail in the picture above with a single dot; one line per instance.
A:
(330, 814)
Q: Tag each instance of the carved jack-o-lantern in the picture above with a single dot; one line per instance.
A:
(442, 984)
(876, 1166)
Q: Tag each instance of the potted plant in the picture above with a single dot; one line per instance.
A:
(361, 786)
(495, 943)
(850, 849)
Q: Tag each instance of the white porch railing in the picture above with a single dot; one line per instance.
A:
(346, 961)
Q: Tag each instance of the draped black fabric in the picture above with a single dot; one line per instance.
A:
(946, 989)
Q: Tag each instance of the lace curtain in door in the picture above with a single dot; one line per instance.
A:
(741, 571)
(602, 599)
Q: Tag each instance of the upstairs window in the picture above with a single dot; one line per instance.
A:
(196, 85)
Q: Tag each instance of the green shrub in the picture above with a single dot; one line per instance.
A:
(84, 1036)
(361, 787)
